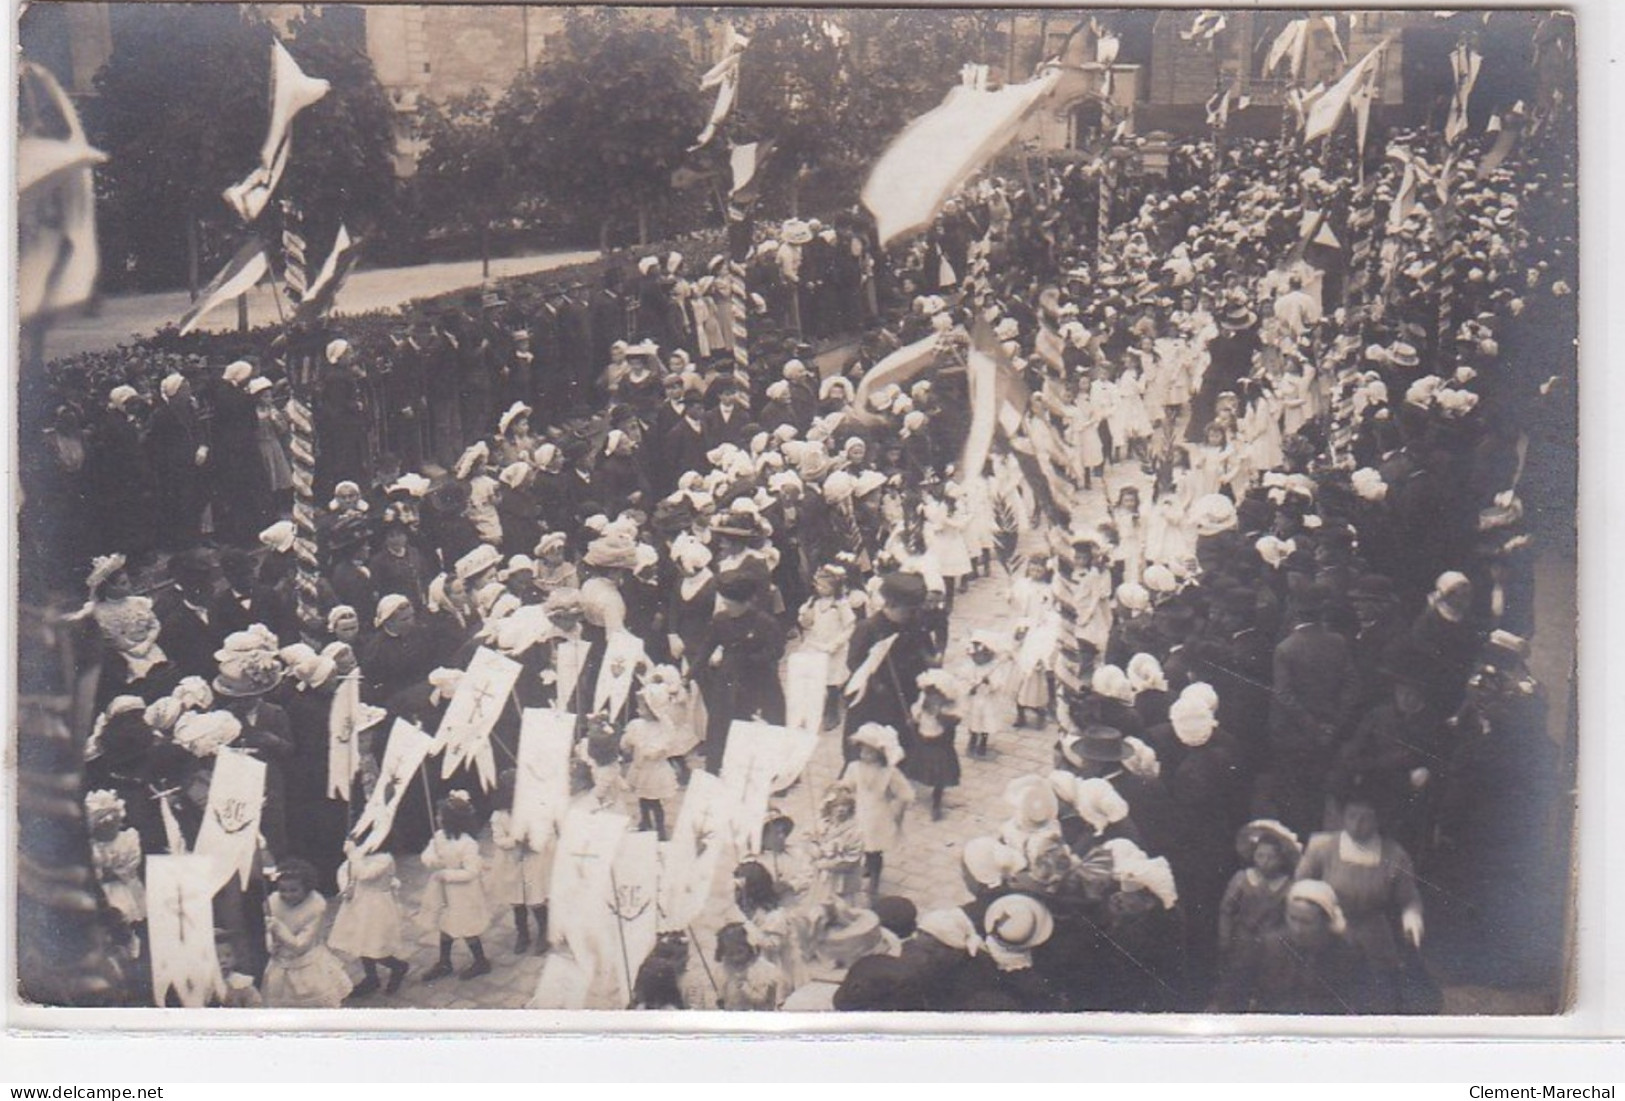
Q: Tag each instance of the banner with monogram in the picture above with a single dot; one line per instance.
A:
(563, 984)
(805, 676)
(689, 860)
(624, 657)
(541, 794)
(403, 756)
(760, 759)
(231, 821)
(465, 731)
(569, 658)
(579, 895)
(634, 894)
(180, 927)
(347, 718)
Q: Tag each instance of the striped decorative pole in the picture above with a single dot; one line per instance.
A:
(739, 246)
(302, 440)
(1449, 267)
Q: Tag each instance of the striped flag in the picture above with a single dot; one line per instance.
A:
(724, 77)
(291, 92)
(1327, 111)
(319, 296)
(1464, 64)
(239, 276)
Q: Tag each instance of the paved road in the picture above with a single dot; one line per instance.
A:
(121, 319)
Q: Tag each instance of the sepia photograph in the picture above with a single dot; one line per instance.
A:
(814, 511)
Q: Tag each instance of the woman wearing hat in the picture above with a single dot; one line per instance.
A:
(1304, 965)
(737, 664)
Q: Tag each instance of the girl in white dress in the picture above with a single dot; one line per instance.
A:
(302, 973)
(455, 898)
(369, 925)
(944, 526)
(1038, 634)
(976, 503)
(827, 621)
(1170, 534)
(521, 868)
(1130, 420)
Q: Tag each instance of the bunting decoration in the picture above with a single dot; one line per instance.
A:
(56, 201)
(291, 92)
(180, 929)
(230, 832)
(238, 277)
(1464, 65)
(541, 793)
(404, 754)
(465, 730)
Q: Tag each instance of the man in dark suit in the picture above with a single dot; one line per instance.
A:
(191, 627)
(178, 450)
(1315, 691)
(727, 423)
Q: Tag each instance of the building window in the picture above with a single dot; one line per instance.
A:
(425, 66)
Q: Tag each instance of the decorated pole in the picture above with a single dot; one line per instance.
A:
(739, 248)
(302, 437)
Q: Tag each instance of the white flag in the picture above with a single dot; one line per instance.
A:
(403, 756)
(689, 861)
(238, 277)
(56, 202)
(291, 92)
(805, 677)
(634, 897)
(1327, 111)
(942, 148)
(569, 658)
(579, 898)
(180, 928)
(857, 684)
(481, 696)
(231, 820)
(541, 793)
(761, 758)
(724, 77)
(346, 719)
(624, 658)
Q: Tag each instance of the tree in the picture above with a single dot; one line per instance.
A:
(601, 127)
(464, 179)
(181, 109)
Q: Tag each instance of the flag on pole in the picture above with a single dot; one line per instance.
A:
(1218, 109)
(56, 200)
(724, 77)
(180, 929)
(238, 277)
(981, 370)
(746, 163)
(1362, 99)
(897, 367)
(465, 730)
(231, 820)
(1327, 110)
(541, 795)
(291, 92)
(569, 658)
(403, 756)
(1291, 45)
(760, 758)
(624, 658)
(938, 151)
(689, 860)
(319, 296)
(1464, 64)
(580, 902)
(347, 717)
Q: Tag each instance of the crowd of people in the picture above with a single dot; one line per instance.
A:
(1256, 506)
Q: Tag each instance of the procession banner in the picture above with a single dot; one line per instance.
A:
(403, 756)
(563, 984)
(56, 206)
(465, 731)
(579, 898)
(761, 758)
(541, 794)
(231, 821)
(938, 151)
(806, 674)
(346, 719)
(634, 898)
(569, 658)
(623, 658)
(689, 860)
(898, 367)
(180, 928)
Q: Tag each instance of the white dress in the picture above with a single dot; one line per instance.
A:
(882, 796)
(1130, 420)
(989, 699)
(454, 899)
(1034, 603)
(827, 624)
(302, 973)
(519, 874)
(945, 538)
(977, 507)
(118, 867)
(368, 925)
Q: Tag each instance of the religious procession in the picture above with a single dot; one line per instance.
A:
(1056, 585)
